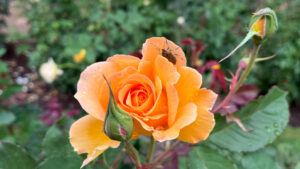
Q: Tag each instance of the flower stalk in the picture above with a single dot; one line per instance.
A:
(161, 157)
(151, 150)
(133, 154)
(240, 81)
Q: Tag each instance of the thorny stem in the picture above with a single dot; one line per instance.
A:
(132, 152)
(161, 157)
(248, 68)
(240, 81)
(151, 150)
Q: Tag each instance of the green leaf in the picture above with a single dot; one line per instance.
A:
(11, 90)
(259, 160)
(59, 151)
(267, 117)
(56, 143)
(298, 165)
(203, 157)
(60, 162)
(2, 51)
(3, 67)
(6, 118)
(14, 157)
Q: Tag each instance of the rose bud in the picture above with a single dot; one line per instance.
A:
(264, 24)
(118, 124)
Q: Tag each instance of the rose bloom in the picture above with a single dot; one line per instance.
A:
(163, 97)
(50, 71)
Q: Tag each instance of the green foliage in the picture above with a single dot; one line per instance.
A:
(68, 162)
(63, 28)
(267, 117)
(6, 118)
(7, 87)
(14, 157)
(203, 157)
(259, 160)
(288, 148)
(58, 150)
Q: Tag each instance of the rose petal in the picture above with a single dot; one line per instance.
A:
(124, 61)
(199, 130)
(153, 47)
(139, 130)
(203, 125)
(89, 88)
(169, 76)
(188, 84)
(146, 68)
(87, 136)
(186, 115)
(205, 99)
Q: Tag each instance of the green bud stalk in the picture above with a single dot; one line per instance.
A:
(118, 124)
(262, 25)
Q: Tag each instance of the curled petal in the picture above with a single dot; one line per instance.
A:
(153, 47)
(87, 136)
(186, 115)
(124, 61)
(188, 84)
(169, 76)
(92, 92)
(199, 130)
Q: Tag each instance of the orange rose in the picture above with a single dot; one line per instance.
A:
(158, 91)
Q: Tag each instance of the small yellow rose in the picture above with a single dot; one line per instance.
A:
(79, 57)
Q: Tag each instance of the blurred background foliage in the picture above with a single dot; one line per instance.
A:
(61, 28)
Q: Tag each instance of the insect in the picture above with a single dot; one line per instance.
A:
(167, 53)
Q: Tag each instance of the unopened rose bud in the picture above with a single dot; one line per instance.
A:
(49, 71)
(264, 24)
(118, 124)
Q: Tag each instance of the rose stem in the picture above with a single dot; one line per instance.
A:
(151, 149)
(240, 81)
(133, 153)
(161, 157)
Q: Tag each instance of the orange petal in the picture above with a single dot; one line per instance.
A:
(146, 68)
(139, 130)
(89, 88)
(199, 130)
(169, 76)
(205, 98)
(159, 109)
(124, 61)
(173, 101)
(165, 70)
(186, 115)
(87, 136)
(188, 84)
(153, 47)
(205, 122)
